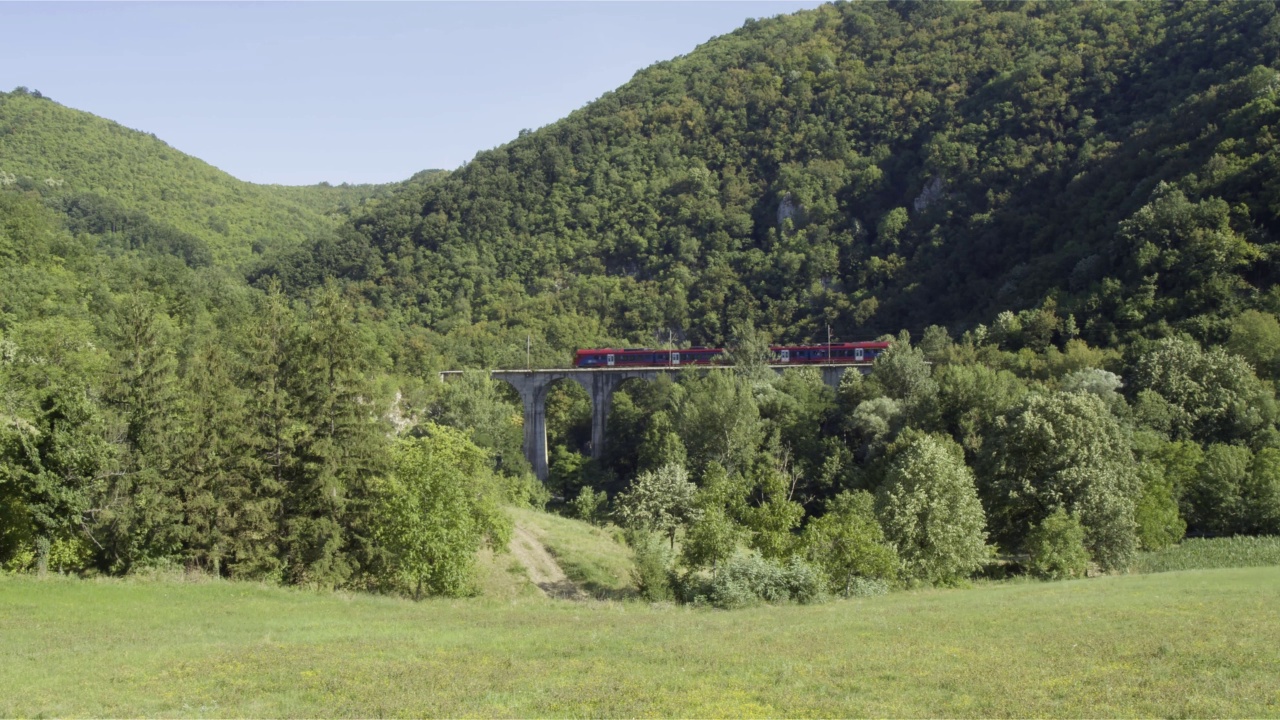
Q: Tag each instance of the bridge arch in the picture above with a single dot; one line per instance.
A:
(532, 387)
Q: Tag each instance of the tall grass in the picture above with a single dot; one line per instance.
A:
(1205, 553)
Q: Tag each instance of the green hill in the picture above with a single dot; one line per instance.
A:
(64, 153)
(871, 166)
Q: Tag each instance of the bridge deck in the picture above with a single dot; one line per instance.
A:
(646, 368)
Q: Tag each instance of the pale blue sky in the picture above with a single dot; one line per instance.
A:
(298, 93)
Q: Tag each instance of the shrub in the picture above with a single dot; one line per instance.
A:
(589, 505)
(652, 573)
(525, 490)
(866, 587)
(749, 579)
(806, 582)
(847, 542)
(1056, 547)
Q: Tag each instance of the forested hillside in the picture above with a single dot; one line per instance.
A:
(874, 166)
(89, 162)
(1064, 216)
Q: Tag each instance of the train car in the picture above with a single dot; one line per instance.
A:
(845, 352)
(645, 357)
(854, 352)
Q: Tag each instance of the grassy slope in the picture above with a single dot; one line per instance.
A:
(42, 140)
(590, 556)
(1200, 643)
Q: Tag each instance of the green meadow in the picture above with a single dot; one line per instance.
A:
(1193, 643)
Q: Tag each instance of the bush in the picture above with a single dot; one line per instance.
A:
(867, 587)
(847, 542)
(652, 573)
(806, 582)
(525, 490)
(749, 579)
(589, 505)
(1056, 547)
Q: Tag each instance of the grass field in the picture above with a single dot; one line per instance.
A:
(1193, 643)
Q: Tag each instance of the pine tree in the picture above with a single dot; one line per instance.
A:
(274, 432)
(230, 525)
(139, 513)
(346, 445)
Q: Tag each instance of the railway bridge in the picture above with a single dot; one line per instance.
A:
(600, 384)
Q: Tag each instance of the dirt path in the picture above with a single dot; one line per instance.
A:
(543, 569)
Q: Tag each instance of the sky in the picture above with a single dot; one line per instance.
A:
(302, 92)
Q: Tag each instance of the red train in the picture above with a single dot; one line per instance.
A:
(845, 352)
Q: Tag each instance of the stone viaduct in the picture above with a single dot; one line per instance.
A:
(600, 384)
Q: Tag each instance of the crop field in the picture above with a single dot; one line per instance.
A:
(1189, 643)
(1204, 553)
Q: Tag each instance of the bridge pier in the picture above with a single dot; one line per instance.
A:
(600, 384)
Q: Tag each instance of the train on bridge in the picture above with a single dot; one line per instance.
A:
(844, 352)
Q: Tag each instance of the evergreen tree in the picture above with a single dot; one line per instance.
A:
(231, 528)
(343, 448)
(275, 426)
(139, 512)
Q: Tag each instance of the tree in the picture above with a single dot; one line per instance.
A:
(749, 353)
(713, 535)
(902, 373)
(140, 514)
(229, 526)
(768, 509)
(275, 428)
(719, 421)
(847, 541)
(1159, 523)
(930, 512)
(343, 448)
(1255, 336)
(660, 445)
(1210, 395)
(1063, 450)
(1056, 547)
(1236, 492)
(658, 501)
(472, 402)
(971, 397)
(438, 506)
